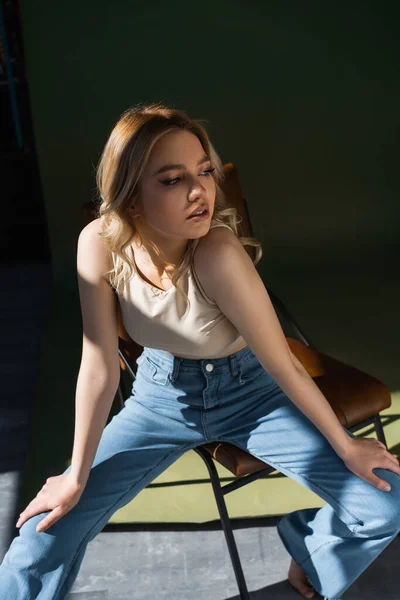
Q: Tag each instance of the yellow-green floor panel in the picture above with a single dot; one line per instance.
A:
(183, 493)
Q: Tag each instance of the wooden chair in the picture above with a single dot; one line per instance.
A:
(356, 397)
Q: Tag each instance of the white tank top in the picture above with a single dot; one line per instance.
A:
(156, 319)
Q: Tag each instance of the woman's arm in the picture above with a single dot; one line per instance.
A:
(229, 276)
(99, 371)
(231, 279)
(97, 381)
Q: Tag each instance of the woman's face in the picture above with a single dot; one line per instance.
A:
(177, 180)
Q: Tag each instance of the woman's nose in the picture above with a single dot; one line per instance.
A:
(196, 189)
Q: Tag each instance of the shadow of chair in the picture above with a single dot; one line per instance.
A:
(356, 397)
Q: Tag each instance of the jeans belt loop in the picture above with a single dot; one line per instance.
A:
(235, 369)
(175, 368)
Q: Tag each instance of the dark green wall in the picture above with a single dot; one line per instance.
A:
(303, 97)
(305, 102)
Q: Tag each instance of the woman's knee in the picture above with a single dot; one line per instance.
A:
(383, 508)
(41, 543)
(392, 518)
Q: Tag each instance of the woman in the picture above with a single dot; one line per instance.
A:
(215, 366)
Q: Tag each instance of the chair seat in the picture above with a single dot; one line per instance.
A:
(233, 458)
(354, 396)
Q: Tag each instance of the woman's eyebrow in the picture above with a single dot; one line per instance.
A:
(204, 159)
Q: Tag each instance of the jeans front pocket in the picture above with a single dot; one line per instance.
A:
(152, 372)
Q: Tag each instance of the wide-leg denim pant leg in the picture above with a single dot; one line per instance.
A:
(333, 544)
(142, 440)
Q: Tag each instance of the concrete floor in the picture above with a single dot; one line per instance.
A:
(181, 564)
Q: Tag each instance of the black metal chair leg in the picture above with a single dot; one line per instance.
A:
(121, 392)
(120, 396)
(380, 434)
(226, 524)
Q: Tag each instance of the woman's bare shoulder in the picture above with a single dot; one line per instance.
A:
(93, 249)
(92, 229)
(216, 237)
(209, 251)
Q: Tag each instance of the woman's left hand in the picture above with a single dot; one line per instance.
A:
(364, 454)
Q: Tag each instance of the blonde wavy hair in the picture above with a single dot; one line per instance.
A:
(121, 165)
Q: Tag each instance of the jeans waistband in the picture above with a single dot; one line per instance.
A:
(174, 364)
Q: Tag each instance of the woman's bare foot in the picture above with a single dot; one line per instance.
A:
(298, 579)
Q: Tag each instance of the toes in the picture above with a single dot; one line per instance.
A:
(303, 588)
(299, 581)
(301, 585)
(306, 591)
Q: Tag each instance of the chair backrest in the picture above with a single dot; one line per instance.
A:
(233, 195)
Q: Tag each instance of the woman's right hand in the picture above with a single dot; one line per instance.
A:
(362, 455)
(59, 494)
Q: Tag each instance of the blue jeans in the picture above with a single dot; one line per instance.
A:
(177, 404)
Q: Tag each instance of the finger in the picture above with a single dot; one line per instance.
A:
(394, 467)
(48, 521)
(34, 508)
(393, 458)
(388, 463)
(381, 484)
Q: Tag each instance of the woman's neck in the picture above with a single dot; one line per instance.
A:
(164, 260)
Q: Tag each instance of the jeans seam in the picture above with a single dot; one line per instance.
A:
(205, 428)
(345, 537)
(359, 521)
(67, 571)
(296, 477)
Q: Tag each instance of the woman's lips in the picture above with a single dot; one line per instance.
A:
(202, 217)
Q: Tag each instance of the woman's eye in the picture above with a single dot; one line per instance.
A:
(170, 181)
(176, 179)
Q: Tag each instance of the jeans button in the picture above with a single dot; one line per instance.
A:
(209, 367)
